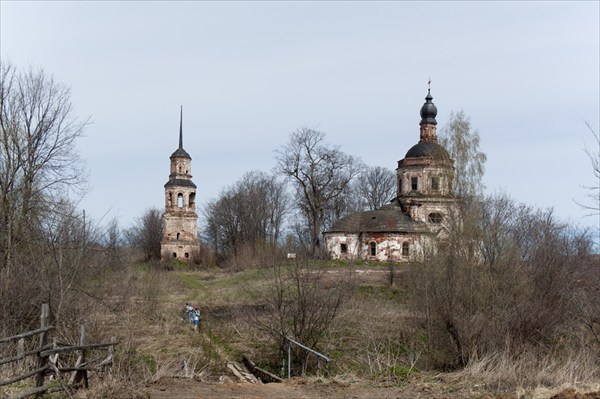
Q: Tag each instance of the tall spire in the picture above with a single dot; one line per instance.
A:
(181, 127)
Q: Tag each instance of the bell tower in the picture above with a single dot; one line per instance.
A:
(180, 237)
(425, 175)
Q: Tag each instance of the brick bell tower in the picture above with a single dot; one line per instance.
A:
(180, 237)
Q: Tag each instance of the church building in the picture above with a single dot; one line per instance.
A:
(416, 218)
(180, 235)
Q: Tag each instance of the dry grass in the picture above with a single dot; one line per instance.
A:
(530, 371)
(373, 340)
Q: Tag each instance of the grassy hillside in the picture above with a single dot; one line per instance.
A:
(374, 341)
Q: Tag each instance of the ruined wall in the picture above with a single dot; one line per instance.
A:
(388, 246)
(183, 250)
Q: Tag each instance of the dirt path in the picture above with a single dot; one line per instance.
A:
(170, 388)
(298, 389)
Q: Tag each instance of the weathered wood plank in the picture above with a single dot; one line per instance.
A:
(28, 353)
(75, 348)
(42, 360)
(24, 376)
(26, 334)
(264, 375)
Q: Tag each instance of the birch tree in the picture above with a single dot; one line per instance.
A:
(462, 142)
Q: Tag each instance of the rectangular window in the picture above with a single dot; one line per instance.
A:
(414, 182)
(435, 183)
(373, 249)
(405, 250)
(343, 248)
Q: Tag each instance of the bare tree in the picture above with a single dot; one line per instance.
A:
(594, 190)
(462, 142)
(508, 275)
(112, 244)
(40, 258)
(38, 162)
(147, 233)
(375, 187)
(248, 214)
(320, 174)
(299, 305)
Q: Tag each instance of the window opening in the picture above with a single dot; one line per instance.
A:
(373, 249)
(170, 200)
(414, 182)
(435, 217)
(192, 200)
(187, 255)
(435, 183)
(180, 200)
(405, 249)
(174, 254)
(400, 185)
(178, 235)
(343, 248)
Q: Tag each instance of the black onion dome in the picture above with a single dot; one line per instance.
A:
(428, 150)
(428, 110)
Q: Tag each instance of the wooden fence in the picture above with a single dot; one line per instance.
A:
(47, 363)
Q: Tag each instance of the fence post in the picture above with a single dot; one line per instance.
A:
(39, 379)
(111, 354)
(81, 374)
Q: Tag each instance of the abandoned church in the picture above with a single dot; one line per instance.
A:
(180, 236)
(416, 218)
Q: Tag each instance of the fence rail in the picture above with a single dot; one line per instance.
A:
(47, 356)
(319, 356)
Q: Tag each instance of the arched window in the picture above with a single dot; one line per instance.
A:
(373, 248)
(187, 255)
(414, 183)
(435, 217)
(405, 249)
(178, 235)
(170, 200)
(192, 200)
(174, 254)
(180, 200)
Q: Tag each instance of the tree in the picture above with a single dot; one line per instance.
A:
(38, 162)
(508, 277)
(248, 214)
(320, 174)
(462, 143)
(593, 191)
(147, 233)
(112, 244)
(298, 305)
(375, 187)
(44, 251)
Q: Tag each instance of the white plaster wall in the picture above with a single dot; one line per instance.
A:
(388, 246)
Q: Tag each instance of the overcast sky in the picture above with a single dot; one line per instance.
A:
(249, 73)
